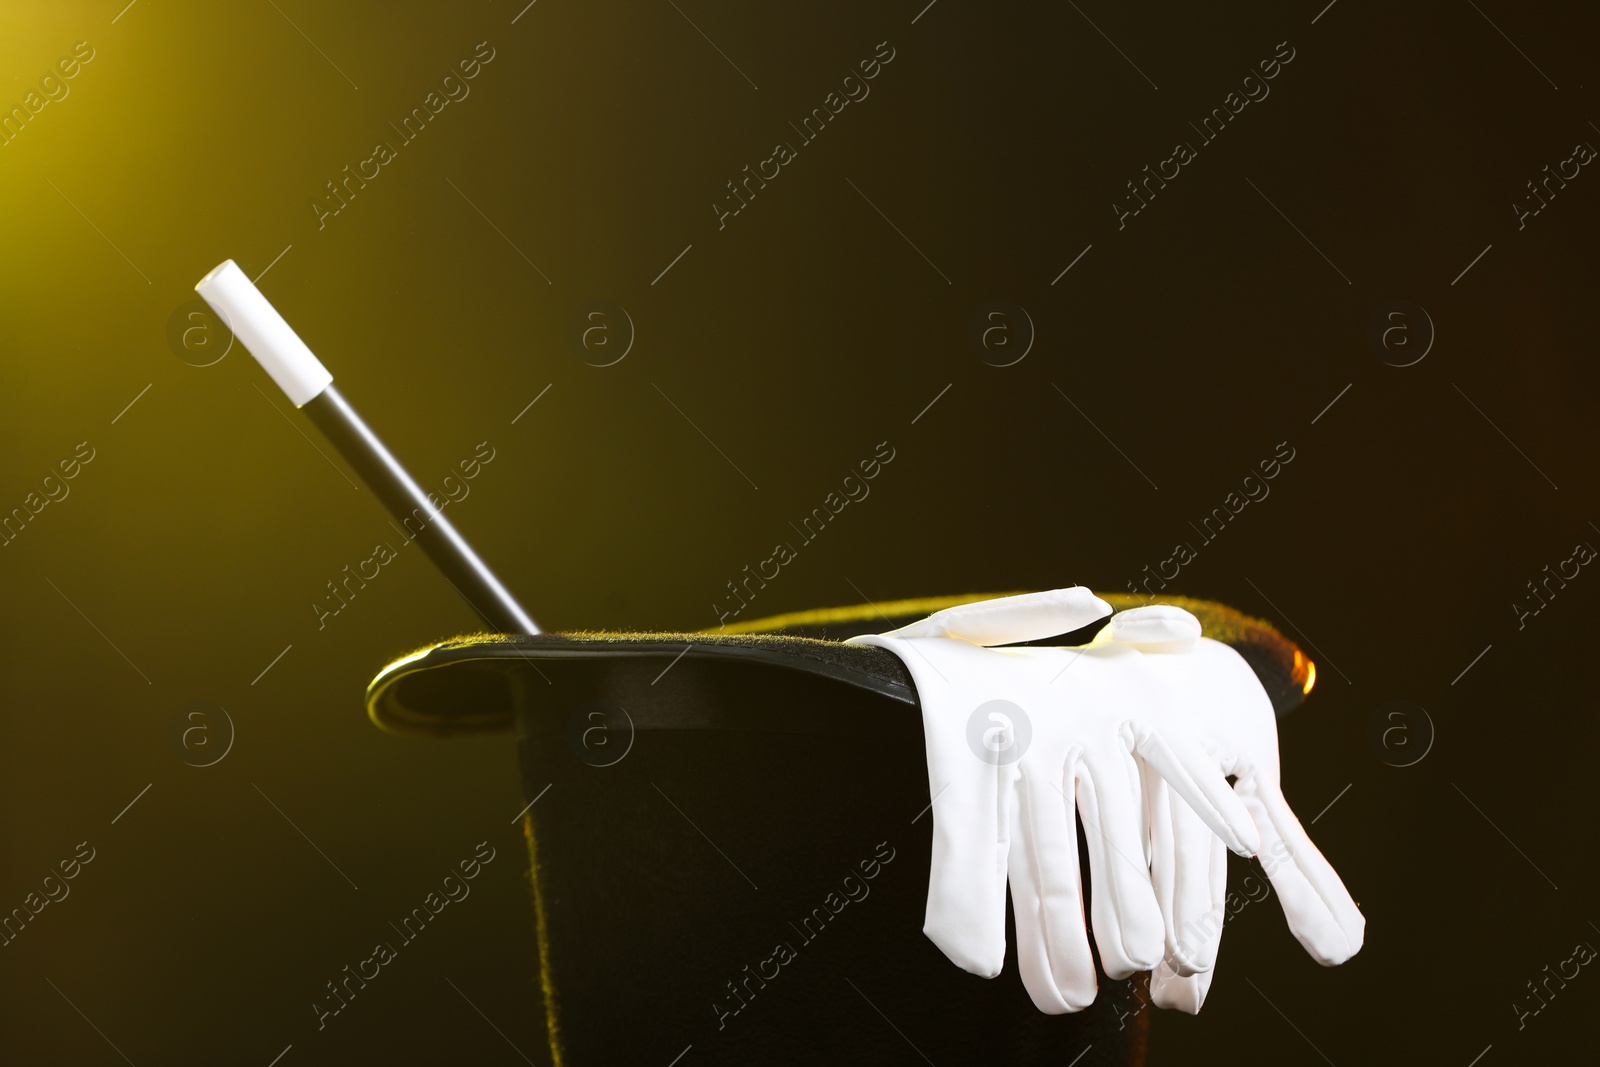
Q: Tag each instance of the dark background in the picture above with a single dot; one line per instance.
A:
(1197, 338)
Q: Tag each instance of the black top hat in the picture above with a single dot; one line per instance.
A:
(726, 846)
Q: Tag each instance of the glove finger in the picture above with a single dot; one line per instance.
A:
(1197, 778)
(1197, 906)
(1047, 898)
(1219, 894)
(1321, 914)
(1128, 927)
(1171, 990)
(1160, 825)
(1162, 847)
(1009, 619)
(1156, 627)
(966, 912)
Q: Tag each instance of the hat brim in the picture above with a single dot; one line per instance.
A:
(476, 683)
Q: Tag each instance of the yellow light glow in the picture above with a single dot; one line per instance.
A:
(1311, 676)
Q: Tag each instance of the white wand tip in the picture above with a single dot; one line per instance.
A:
(257, 324)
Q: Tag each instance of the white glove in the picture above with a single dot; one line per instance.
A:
(1016, 738)
(1221, 696)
